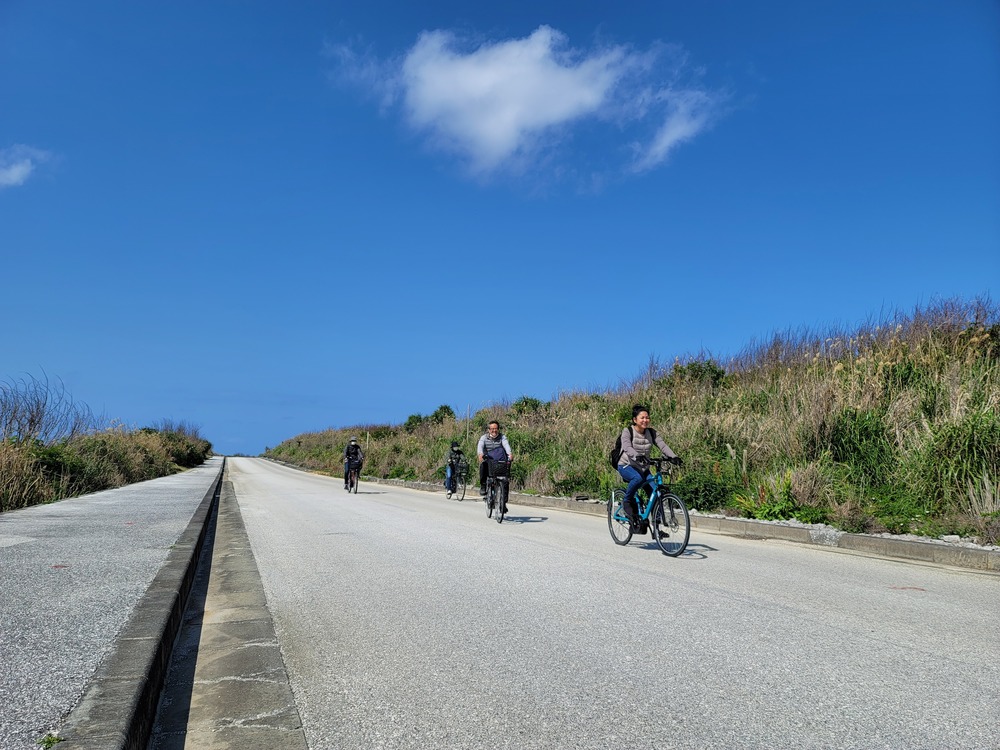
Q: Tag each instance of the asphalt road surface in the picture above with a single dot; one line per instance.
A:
(406, 620)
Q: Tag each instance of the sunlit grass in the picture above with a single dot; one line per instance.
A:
(52, 448)
(892, 426)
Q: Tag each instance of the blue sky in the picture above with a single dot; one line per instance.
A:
(271, 218)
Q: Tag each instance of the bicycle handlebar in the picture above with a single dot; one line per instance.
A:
(659, 462)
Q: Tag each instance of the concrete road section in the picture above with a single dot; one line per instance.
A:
(227, 686)
(71, 575)
(406, 620)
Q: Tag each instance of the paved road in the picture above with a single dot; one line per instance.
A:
(70, 575)
(406, 620)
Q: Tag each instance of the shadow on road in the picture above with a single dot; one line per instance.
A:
(691, 552)
(524, 519)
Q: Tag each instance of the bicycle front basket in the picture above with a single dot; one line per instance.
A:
(499, 468)
(462, 466)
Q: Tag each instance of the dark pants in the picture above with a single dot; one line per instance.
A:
(484, 471)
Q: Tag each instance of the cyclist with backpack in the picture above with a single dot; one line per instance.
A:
(352, 455)
(492, 446)
(633, 463)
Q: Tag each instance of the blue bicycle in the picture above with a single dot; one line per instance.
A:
(664, 512)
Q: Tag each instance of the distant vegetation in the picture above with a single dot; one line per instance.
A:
(52, 447)
(892, 427)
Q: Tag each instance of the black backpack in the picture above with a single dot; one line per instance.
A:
(616, 452)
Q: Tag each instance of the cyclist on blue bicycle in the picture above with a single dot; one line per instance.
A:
(633, 465)
(492, 446)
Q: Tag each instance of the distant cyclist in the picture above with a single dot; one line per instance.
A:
(637, 440)
(455, 455)
(492, 446)
(352, 455)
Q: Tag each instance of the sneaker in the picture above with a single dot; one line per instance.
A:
(482, 492)
(345, 486)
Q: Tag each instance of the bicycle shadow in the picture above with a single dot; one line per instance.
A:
(524, 519)
(691, 552)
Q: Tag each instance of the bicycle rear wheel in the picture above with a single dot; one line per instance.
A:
(671, 525)
(618, 525)
(490, 492)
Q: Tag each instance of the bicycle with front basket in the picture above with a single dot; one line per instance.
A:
(353, 474)
(665, 513)
(497, 489)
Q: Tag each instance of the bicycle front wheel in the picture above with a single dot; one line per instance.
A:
(671, 525)
(501, 505)
(460, 486)
(618, 525)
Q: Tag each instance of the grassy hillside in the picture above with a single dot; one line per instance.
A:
(894, 426)
(53, 448)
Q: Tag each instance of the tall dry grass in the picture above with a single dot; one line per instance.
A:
(52, 447)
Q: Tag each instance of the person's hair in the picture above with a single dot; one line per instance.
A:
(637, 409)
(493, 421)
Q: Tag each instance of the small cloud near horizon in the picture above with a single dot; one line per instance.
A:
(509, 105)
(18, 162)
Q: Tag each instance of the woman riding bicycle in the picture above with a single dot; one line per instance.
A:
(633, 465)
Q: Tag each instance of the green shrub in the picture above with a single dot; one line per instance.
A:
(525, 405)
(706, 487)
(860, 440)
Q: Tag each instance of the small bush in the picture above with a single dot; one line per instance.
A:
(860, 440)
(706, 487)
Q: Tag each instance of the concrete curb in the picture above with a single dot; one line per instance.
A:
(118, 707)
(937, 552)
(228, 685)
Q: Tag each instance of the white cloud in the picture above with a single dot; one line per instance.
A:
(17, 163)
(507, 105)
(493, 104)
(688, 114)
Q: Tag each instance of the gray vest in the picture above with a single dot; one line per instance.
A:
(493, 448)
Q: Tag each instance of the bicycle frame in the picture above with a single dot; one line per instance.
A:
(652, 484)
